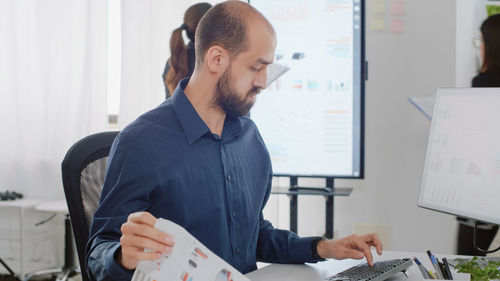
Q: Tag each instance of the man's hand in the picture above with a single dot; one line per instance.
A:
(353, 246)
(138, 233)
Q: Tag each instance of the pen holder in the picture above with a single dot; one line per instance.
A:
(457, 276)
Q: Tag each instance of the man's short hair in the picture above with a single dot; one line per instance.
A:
(225, 24)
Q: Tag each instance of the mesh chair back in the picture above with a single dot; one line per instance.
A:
(91, 181)
(83, 172)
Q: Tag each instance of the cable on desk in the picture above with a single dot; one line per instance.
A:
(46, 220)
(475, 242)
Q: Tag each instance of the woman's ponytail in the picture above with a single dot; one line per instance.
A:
(178, 60)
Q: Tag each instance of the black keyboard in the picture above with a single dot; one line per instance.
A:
(381, 270)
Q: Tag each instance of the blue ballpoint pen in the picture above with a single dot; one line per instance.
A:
(436, 267)
(423, 270)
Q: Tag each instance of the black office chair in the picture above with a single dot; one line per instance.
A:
(83, 172)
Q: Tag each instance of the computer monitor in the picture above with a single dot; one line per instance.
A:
(312, 117)
(462, 165)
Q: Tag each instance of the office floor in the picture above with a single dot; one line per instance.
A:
(77, 277)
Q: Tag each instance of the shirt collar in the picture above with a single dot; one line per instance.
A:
(233, 127)
(191, 122)
(194, 127)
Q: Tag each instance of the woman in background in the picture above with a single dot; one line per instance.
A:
(182, 56)
(489, 74)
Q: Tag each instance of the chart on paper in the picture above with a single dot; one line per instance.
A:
(189, 260)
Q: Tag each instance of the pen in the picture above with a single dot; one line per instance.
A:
(447, 267)
(430, 254)
(436, 267)
(443, 270)
(422, 268)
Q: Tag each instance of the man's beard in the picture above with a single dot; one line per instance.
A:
(228, 99)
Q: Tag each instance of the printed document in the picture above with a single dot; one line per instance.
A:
(190, 260)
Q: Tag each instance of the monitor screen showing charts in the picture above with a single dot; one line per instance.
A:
(462, 166)
(311, 117)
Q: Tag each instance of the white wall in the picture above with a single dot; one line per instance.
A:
(413, 63)
(469, 16)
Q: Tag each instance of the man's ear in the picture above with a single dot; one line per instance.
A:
(216, 59)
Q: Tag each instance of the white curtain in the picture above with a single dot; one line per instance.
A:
(52, 87)
(146, 29)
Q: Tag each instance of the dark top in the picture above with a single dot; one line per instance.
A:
(169, 163)
(191, 63)
(486, 79)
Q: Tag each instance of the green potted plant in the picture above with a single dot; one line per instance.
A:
(490, 271)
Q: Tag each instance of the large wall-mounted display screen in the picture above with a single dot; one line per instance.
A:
(311, 118)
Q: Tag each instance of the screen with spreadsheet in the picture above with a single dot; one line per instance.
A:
(311, 118)
(462, 165)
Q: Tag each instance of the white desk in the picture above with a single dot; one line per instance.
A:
(21, 205)
(320, 271)
(69, 268)
(59, 207)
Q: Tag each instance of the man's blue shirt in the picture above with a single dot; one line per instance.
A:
(168, 163)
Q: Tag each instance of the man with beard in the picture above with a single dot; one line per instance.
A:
(199, 161)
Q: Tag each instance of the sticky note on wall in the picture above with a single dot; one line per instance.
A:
(377, 7)
(377, 23)
(397, 8)
(397, 26)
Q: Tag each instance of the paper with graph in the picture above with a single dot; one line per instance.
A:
(274, 71)
(190, 260)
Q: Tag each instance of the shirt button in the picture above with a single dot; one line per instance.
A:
(237, 250)
(229, 177)
(234, 214)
